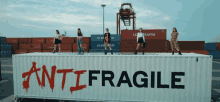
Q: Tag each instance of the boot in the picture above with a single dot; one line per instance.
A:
(111, 52)
(172, 52)
(135, 52)
(143, 52)
(179, 53)
(53, 51)
(106, 52)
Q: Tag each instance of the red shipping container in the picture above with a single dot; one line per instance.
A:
(86, 47)
(151, 46)
(21, 51)
(84, 40)
(49, 40)
(189, 45)
(152, 34)
(35, 46)
(192, 51)
(11, 40)
(65, 46)
(66, 50)
(68, 40)
(38, 40)
(24, 46)
(31, 51)
(14, 46)
(24, 40)
(217, 46)
(48, 46)
(47, 50)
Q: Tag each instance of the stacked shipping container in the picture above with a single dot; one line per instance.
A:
(97, 44)
(213, 49)
(5, 48)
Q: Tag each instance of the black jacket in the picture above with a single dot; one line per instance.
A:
(109, 36)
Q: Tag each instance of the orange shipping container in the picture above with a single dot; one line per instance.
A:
(48, 46)
(66, 50)
(35, 46)
(65, 46)
(14, 46)
(38, 40)
(21, 51)
(75, 47)
(11, 40)
(31, 51)
(24, 46)
(151, 34)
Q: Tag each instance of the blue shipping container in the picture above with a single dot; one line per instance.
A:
(3, 47)
(8, 47)
(210, 46)
(215, 54)
(102, 50)
(101, 45)
(3, 53)
(2, 40)
(100, 37)
(8, 53)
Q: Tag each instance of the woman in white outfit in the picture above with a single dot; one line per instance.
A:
(140, 40)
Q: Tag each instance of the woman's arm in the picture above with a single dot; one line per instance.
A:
(143, 37)
(137, 36)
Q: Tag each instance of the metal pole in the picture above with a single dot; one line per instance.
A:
(103, 21)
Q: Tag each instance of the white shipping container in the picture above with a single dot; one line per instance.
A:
(134, 77)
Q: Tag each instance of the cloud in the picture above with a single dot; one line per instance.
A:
(96, 3)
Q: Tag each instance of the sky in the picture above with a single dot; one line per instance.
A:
(195, 20)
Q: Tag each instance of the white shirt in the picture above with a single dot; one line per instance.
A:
(140, 35)
(57, 36)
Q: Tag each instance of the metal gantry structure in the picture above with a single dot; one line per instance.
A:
(125, 15)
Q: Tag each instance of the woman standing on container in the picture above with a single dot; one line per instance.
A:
(173, 41)
(107, 40)
(140, 40)
(57, 40)
(79, 41)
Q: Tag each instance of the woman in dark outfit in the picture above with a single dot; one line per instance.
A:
(79, 41)
(107, 40)
(140, 40)
(57, 40)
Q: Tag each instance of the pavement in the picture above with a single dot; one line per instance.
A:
(6, 85)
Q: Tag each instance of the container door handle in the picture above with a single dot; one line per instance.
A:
(197, 59)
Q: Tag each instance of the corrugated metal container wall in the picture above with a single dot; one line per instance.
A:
(24, 40)
(8, 47)
(49, 40)
(21, 51)
(11, 40)
(48, 46)
(164, 68)
(193, 51)
(68, 40)
(210, 46)
(31, 51)
(151, 46)
(38, 40)
(102, 50)
(155, 34)
(2, 40)
(35, 46)
(215, 54)
(84, 40)
(101, 45)
(100, 37)
(190, 45)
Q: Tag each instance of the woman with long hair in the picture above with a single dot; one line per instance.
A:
(57, 40)
(79, 41)
(107, 40)
(173, 41)
(140, 40)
